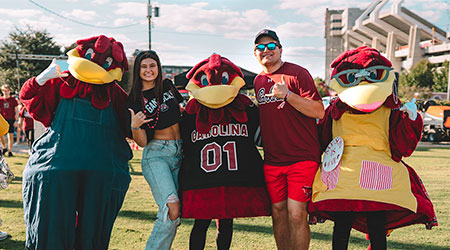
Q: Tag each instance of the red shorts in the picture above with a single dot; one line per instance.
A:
(293, 181)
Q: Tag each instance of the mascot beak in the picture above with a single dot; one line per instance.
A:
(216, 96)
(366, 96)
(90, 72)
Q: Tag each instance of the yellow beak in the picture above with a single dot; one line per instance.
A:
(365, 96)
(216, 96)
(90, 72)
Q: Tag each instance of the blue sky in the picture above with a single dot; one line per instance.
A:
(187, 32)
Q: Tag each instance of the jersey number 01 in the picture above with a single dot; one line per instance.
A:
(211, 156)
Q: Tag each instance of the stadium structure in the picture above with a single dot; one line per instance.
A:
(401, 35)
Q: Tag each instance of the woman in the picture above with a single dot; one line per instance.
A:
(155, 114)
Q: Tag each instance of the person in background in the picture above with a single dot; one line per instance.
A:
(10, 111)
(19, 126)
(155, 114)
(4, 126)
(289, 105)
(27, 125)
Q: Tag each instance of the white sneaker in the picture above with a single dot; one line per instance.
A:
(3, 235)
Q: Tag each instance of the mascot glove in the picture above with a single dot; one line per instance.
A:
(411, 109)
(53, 71)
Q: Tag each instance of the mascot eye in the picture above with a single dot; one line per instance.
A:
(373, 74)
(88, 54)
(225, 77)
(204, 80)
(108, 62)
(351, 78)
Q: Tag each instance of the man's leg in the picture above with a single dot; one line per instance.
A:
(280, 222)
(298, 225)
(3, 141)
(300, 177)
(10, 141)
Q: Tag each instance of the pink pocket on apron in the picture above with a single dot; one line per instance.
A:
(331, 178)
(375, 176)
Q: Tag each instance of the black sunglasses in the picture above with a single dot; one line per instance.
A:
(262, 47)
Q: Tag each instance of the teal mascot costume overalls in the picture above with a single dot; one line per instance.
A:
(75, 181)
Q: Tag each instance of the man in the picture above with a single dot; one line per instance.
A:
(289, 104)
(10, 111)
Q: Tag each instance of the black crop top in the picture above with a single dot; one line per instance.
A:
(168, 113)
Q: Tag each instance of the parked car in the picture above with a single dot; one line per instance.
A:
(436, 122)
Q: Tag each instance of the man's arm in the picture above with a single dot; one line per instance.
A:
(308, 107)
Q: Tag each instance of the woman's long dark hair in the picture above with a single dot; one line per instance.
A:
(135, 93)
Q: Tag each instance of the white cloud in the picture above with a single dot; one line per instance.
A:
(131, 9)
(78, 14)
(5, 24)
(298, 30)
(431, 11)
(429, 15)
(43, 23)
(20, 12)
(315, 10)
(303, 51)
(122, 21)
(197, 17)
(100, 2)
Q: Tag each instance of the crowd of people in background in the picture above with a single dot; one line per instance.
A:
(21, 125)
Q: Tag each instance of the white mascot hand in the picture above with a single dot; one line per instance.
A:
(411, 109)
(53, 71)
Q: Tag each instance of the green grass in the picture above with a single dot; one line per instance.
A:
(135, 221)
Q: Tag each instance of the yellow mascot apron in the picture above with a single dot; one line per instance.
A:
(366, 170)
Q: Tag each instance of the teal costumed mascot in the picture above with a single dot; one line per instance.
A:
(76, 178)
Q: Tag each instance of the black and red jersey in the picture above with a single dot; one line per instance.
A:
(225, 156)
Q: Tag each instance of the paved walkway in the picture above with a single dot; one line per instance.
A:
(21, 148)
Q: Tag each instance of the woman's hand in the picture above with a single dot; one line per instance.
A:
(138, 119)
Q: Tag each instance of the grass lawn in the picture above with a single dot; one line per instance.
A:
(135, 221)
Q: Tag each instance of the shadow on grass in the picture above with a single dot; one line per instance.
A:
(433, 157)
(17, 179)
(422, 149)
(138, 215)
(11, 204)
(11, 244)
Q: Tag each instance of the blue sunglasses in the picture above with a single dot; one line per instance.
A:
(354, 76)
(262, 47)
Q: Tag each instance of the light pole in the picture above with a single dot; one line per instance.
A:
(150, 10)
(149, 17)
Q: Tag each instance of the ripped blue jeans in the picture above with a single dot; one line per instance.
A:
(161, 162)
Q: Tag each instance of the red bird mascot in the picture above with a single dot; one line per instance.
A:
(222, 171)
(363, 183)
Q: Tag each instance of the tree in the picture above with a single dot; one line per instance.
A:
(28, 41)
(420, 75)
(440, 77)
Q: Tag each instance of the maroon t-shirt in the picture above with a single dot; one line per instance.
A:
(28, 122)
(288, 135)
(7, 106)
